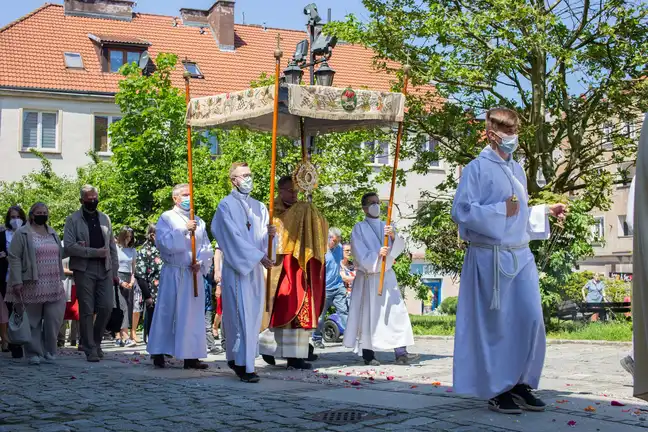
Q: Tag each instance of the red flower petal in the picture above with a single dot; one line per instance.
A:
(414, 386)
(616, 403)
(390, 378)
(72, 377)
(571, 423)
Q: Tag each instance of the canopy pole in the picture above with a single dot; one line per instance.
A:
(187, 76)
(399, 137)
(273, 165)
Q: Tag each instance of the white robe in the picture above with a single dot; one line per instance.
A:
(376, 322)
(178, 326)
(243, 276)
(500, 334)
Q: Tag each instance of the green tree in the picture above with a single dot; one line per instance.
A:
(568, 67)
(60, 193)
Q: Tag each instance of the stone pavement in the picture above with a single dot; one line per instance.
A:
(125, 393)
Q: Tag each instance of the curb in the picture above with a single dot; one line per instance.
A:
(549, 341)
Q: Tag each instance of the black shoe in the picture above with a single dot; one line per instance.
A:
(296, 363)
(311, 353)
(73, 343)
(269, 359)
(523, 397)
(195, 364)
(158, 361)
(249, 377)
(60, 344)
(504, 404)
(231, 365)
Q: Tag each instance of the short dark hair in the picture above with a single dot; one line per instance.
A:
(21, 214)
(283, 181)
(365, 198)
(150, 232)
(122, 236)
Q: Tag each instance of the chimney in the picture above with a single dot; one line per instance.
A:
(221, 21)
(107, 9)
(194, 17)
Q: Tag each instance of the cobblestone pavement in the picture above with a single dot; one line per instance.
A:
(125, 393)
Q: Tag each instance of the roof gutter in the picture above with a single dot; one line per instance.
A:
(56, 93)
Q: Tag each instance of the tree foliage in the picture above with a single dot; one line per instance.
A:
(573, 69)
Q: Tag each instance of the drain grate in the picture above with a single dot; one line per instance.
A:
(343, 416)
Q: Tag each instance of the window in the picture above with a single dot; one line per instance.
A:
(211, 141)
(624, 228)
(378, 152)
(193, 69)
(101, 132)
(430, 146)
(40, 130)
(598, 229)
(73, 60)
(630, 130)
(118, 58)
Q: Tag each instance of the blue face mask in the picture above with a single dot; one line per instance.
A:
(509, 143)
(185, 204)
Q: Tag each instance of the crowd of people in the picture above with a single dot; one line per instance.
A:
(500, 335)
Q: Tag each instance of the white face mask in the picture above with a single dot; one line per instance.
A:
(245, 187)
(374, 210)
(509, 143)
(16, 223)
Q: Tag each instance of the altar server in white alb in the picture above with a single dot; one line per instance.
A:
(500, 336)
(241, 226)
(377, 322)
(178, 327)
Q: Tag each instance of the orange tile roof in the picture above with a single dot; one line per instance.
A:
(31, 53)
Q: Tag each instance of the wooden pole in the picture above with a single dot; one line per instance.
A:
(399, 137)
(273, 164)
(187, 76)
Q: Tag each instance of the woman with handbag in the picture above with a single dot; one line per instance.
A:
(147, 273)
(14, 219)
(36, 283)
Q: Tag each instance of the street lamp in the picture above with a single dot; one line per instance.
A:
(324, 75)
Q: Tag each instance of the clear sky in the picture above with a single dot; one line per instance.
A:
(274, 13)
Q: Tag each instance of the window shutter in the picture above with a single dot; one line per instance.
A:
(30, 130)
(48, 140)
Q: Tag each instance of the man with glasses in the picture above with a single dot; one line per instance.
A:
(241, 226)
(297, 280)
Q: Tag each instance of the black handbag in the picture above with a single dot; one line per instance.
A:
(117, 316)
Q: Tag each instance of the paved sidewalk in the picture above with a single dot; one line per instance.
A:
(125, 393)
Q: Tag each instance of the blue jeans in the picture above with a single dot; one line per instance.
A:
(337, 297)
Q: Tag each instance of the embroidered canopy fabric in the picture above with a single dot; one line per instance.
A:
(324, 109)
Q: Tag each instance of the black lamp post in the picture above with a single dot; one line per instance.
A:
(293, 73)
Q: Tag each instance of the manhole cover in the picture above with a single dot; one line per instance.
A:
(342, 417)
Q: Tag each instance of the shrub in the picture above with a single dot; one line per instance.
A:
(449, 306)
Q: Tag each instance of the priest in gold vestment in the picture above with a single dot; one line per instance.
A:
(297, 280)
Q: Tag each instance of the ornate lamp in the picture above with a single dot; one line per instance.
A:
(293, 73)
(324, 75)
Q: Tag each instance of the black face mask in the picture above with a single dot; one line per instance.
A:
(91, 206)
(40, 219)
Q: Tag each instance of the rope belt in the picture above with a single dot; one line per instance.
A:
(497, 266)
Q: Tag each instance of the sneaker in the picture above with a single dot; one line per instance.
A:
(627, 363)
(35, 360)
(49, 358)
(372, 362)
(504, 404)
(524, 398)
(319, 344)
(216, 350)
(118, 343)
(406, 359)
(129, 343)
(249, 377)
(269, 359)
